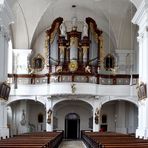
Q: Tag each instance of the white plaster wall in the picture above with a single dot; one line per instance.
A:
(26, 90)
(131, 117)
(16, 118)
(19, 28)
(81, 88)
(21, 60)
(108, 44)
(136, 55)
(39, 44)
(3, 51)
(84, 114)
(35, 109)
(116, 113)
(109, 110)
(31, 109)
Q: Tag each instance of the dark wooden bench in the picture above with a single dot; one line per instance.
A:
(112, 140)
(33, 140)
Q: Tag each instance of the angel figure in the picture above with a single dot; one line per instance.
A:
(88, 69)
(63, 29)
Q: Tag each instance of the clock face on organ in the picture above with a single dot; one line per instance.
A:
(73, 66)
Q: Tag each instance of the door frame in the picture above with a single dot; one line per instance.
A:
(72, 116)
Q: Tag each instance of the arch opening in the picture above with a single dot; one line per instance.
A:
(26, 116)
(72, 116)
(121, 116)
(72, 126)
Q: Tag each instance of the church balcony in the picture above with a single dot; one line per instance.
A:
(103, 79)
(74, 84)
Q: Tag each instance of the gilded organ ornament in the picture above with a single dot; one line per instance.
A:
(73, 66)
(59, 68)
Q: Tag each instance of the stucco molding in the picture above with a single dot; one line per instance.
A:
(6, 18)
(142, 13)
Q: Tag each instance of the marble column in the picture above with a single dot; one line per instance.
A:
(141, 19)
(4, 53)
(4, 130)
(5, 21)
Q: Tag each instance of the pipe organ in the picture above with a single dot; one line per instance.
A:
(76, 50)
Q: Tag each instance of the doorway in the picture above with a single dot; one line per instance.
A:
(72, 126)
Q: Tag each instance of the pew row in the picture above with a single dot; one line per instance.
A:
(112, 140)
(33, 140)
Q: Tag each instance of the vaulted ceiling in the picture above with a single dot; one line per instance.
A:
(34, 16)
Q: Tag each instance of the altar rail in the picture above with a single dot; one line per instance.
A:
(119, 79)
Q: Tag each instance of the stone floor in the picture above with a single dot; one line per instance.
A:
(72, 144)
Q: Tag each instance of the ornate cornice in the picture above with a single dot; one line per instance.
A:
(4, 32)
(6, 18)
(141, 14)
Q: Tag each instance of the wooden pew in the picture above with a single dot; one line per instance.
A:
(112, 140)
(33, 140)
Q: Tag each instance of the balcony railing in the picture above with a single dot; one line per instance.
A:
(118, 79)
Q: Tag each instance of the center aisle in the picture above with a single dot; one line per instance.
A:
(72, 144)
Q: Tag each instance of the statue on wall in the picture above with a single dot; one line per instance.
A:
(63, 29)
(73, 88)
(49, 113)
(97, 115)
